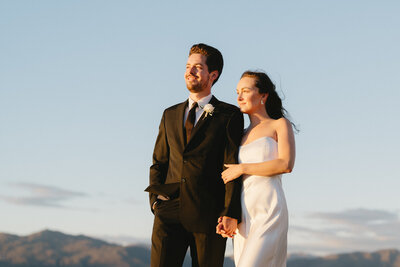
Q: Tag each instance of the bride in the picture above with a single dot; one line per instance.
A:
(266, 152)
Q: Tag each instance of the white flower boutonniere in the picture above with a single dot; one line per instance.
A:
(208, 109)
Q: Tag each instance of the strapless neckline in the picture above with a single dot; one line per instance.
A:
(260, 138)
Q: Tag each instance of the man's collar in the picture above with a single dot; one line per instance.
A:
(202, 102)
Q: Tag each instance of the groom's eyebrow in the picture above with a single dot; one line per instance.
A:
(196, 64)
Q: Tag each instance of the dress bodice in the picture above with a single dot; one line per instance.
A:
(262, 149)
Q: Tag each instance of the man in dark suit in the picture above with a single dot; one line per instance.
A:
(187, 194)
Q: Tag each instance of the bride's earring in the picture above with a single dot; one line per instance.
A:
(262, 102)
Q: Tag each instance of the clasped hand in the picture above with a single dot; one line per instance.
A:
(226, 226)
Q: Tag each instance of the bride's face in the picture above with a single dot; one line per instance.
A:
(249, 99)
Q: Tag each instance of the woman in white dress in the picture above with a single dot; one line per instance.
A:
(267, 151)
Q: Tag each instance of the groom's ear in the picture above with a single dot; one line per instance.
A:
(214, 75)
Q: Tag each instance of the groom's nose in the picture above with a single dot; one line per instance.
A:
(192, 70)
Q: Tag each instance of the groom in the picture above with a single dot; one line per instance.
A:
(187, 194)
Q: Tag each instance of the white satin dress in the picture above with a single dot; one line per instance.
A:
(261, 239)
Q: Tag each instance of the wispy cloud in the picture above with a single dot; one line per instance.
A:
(358, 216)
(41, 195)
(349, 230)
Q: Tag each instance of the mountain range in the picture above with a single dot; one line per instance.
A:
(54, 249)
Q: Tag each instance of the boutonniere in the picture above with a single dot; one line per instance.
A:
(208, 109)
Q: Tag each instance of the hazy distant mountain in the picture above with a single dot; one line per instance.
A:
(54, 249)
(382, 258)
(50, 249)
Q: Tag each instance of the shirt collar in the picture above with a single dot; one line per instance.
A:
(202, 102)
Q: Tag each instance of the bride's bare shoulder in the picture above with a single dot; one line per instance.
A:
(282, 124)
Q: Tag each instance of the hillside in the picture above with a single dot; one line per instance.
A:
(382, 258)
(50, 248)
(53, 249)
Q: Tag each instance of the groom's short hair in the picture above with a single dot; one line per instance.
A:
(214, 59)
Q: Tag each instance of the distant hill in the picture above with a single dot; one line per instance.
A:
(55, 249)
(382, 258)
(50, 249)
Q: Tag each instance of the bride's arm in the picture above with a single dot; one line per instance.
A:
(282, 164)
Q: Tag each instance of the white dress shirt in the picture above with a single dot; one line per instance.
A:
(199, 110)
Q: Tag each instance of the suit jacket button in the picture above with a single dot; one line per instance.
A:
(183, 180)
(184, 161)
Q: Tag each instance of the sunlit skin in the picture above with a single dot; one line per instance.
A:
(249, 100)
(261, 125)
(197, 77)
(199, 82)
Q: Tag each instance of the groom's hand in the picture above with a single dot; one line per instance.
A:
(159, 197)
(230, 225)
(227, 226)
(221, 231)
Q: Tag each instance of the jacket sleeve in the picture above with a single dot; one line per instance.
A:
(234, 133)
(159, 168)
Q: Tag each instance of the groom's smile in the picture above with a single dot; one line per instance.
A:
(191, 77)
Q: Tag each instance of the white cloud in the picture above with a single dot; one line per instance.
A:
(42, 195)
(357, 216)
(345, 231)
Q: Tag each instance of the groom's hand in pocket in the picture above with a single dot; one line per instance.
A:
(159, 198)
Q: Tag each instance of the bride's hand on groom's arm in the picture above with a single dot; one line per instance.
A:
(232, 172)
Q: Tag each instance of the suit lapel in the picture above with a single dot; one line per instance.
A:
(203, 119)
(180, 114)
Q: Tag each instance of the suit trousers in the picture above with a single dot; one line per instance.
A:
(170, 241)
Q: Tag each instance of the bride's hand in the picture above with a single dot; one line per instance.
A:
(232, 172)
(223, 224)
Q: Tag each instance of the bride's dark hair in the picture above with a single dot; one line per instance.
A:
(273, 104)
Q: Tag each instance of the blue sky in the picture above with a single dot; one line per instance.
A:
(83, 85)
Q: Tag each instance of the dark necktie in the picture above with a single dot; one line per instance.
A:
(189, 124)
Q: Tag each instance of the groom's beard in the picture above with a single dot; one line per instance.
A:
(198, 87)
(195, 88)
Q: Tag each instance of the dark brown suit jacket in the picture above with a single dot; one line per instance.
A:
(196, 168)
